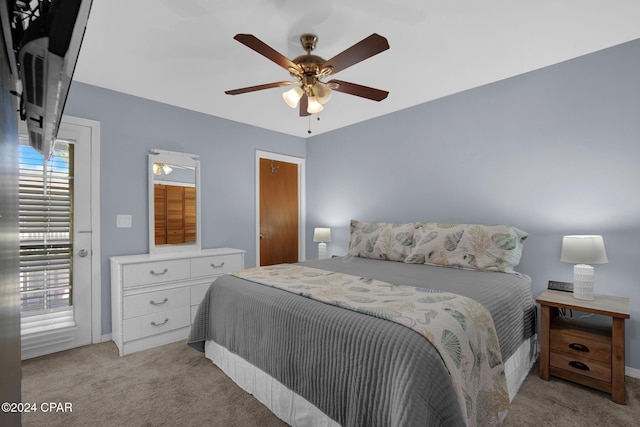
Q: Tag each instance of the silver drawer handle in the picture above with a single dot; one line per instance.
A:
(217, 266)
(153, 273)
(153, 323)
(152, 302)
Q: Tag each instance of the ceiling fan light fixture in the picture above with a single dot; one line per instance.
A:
(159, 168)
(292, 96)
(322, 93)
(309, 70)
(314, 106)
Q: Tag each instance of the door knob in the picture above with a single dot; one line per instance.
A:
(261, 236)
(83, 253)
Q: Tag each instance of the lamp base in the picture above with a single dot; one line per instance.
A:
(583, 282)
(322, 250)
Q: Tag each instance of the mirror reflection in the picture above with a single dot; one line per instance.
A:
(173, 204)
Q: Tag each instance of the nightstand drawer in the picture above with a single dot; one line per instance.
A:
(157, 323)
(154, 302)
(215, 265)
(572, 338)
(582, 366)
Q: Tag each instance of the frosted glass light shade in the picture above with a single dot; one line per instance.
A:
(323, 93)
(158, 168)
(314, 106)
(292, 96)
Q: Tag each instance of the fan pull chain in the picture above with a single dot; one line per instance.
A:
(317, 118)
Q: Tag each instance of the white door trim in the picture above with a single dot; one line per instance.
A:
(96, 277)
(38, 344)
(301, 199)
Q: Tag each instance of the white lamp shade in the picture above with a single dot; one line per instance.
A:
(292, 96)
(322, 93)
(322, 235)
(583, 250)
(314, 106)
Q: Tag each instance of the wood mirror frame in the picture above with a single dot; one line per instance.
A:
(174, 202)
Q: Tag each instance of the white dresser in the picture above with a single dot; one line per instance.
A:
(154, 298)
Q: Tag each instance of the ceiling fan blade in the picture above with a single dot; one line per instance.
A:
(258, 87)
(265, 50)
(366, 48)
(358, 90)
(304, 104)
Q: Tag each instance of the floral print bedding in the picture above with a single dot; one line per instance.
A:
(460, 328)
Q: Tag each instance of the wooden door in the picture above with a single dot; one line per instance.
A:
(278, 212)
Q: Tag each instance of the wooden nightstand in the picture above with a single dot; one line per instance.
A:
(584, 352)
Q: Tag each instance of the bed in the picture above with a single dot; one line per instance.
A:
(316, 363)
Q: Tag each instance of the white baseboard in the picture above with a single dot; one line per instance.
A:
(105, 338)
(632, 372)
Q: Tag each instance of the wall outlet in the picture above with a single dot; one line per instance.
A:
(560, 286)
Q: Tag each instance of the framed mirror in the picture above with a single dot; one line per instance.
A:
(174, 201)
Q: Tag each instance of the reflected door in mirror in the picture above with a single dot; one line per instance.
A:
(174, 214)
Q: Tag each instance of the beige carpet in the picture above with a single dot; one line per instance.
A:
(174, 385)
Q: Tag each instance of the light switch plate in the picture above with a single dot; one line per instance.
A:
(560, 286)
(123, 221)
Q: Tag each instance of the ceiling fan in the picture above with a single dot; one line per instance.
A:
(308, 70)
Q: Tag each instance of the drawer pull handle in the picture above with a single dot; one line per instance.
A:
(153, 273)
(578, 365)
(217, 266)
(153, 323)
(579, 347)
(152, 302)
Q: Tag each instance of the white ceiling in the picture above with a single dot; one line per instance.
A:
(183, 53)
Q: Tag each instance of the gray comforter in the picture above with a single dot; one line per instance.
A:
(358, 369)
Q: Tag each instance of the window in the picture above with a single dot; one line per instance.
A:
(46, 246)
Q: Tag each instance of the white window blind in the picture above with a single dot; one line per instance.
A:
(46, 245)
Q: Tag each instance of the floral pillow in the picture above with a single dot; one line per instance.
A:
(381, 240)
(474, 246)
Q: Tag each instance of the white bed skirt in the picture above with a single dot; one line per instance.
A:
(297, 411)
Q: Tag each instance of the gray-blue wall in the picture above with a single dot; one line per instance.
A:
(129, 127)
(554, 152)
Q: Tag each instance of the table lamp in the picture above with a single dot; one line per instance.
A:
(582, 251)
(322, 235)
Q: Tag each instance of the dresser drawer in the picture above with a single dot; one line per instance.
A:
(198, 292)
(155, 272)
(215, 265)
(156, 323)
(154, 302)
(573, 338)
(581, 365)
